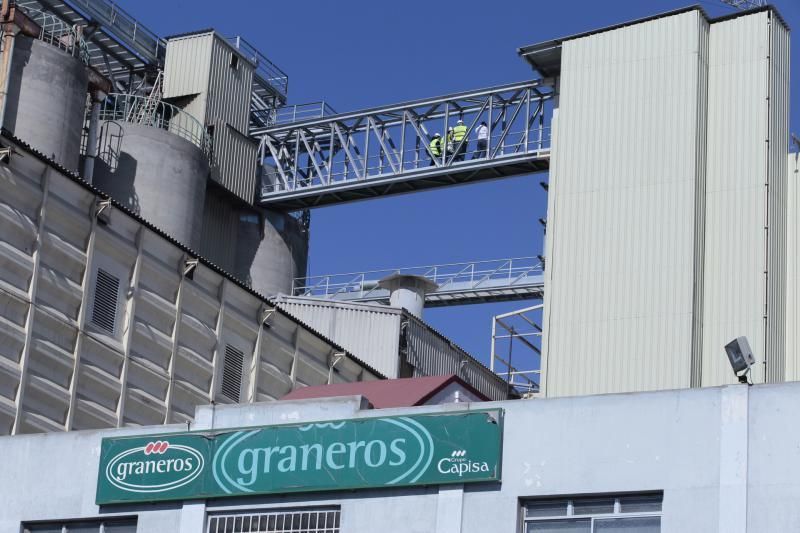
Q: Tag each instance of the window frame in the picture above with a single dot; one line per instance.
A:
(65, 524)
(268, 511)
(617, 512)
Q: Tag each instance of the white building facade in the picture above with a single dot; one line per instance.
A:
(707, 460)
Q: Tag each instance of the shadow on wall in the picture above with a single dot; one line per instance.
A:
(119, 183)
(271, 250)
(22, 56)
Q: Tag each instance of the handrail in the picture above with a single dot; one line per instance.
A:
(58, 33)
(293, 113)
(123, 25)
(156, 113)
(265, 69)
(511, 270)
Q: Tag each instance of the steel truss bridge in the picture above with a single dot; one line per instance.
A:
(519, 278)
(386, 150)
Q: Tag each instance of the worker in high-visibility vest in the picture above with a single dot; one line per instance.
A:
(459, 134)
(435, 148)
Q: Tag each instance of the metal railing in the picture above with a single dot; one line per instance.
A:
(518, 329)
(157, 114)
(124, 26)
(291, 113)
(268, 71)
(364, 149)
(450, 276)
(58, 33)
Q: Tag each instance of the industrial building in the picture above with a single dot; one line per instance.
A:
(166, 363)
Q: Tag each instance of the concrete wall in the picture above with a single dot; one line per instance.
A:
(721, 456)
(46, 99)
(793, 271)
(161, 177)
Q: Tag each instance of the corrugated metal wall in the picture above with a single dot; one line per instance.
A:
(163, 353)
(234, 165)
(371, 332)
(202, 65)
(779, 96)
(622, 214)
(187, 71)
(793, 271)
(229, 88)
(747, 134)
(220, 228)
(432, 354)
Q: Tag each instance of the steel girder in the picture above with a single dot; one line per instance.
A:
(387, 150)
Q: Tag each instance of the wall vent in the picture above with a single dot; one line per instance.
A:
(232, 373)
(106, 300)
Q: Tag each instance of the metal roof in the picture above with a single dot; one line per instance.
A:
(545, 57)
(382, 394)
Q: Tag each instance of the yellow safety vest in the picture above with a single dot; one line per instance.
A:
(459, 132)
(436, 146)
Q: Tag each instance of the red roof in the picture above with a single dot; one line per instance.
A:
(404, 392)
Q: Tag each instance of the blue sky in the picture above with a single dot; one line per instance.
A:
(363, 53)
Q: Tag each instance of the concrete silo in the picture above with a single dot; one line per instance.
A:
(46, 81)
(154, 159)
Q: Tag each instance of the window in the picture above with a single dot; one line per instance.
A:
(284, 521)
(633, 513)
(234, 60)
(232, 373)
(127, 525)
(106, 301)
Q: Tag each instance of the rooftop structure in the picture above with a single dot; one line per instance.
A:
(403, 392)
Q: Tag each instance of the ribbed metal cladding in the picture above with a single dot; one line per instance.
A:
(621, 218)
(220, 81)
(779, 96)
(745, 195)
(696, 368)
(229, 87)
(220, 226)
(186, 71)
(234, 164)
(431, 354)
(370, 332)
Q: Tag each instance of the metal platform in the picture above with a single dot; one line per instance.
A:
(387, 150)
(119, 45)
(497, 280)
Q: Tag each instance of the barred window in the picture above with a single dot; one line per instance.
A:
(278, 521)
(125, 525)
(594, 514)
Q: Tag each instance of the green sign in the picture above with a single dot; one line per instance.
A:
(348, 454)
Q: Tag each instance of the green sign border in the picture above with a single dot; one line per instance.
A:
(490, 446)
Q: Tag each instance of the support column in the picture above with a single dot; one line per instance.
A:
(733, 459)
(449, 509)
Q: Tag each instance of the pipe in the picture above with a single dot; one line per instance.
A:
(10, 31)
(91, 141)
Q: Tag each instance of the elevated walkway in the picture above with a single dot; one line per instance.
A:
(497, 280)
(387, 150)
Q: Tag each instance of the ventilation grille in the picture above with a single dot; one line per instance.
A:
(104, 307)
(232, 373)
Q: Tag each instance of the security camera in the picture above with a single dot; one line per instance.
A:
(741, 357)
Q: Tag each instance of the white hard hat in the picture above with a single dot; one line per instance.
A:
(436, 135)
(460, 122)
